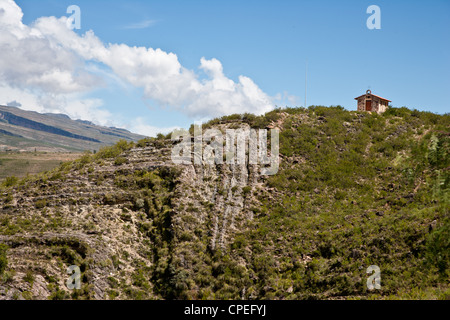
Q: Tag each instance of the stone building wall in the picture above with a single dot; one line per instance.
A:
(378, 105)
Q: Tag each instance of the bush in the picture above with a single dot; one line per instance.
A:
(3, 258)
(144, 142)
(10, 181)
(115, 150)
(246, 190)
(120, 160)
(438, 248)
(59, 295)
(148, 180)
(85, 158)
(39, 204)
(29, 277)
(397, 112)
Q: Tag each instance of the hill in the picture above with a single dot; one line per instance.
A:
(22, 130)
(353, 190)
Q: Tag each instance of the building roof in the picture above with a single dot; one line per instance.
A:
(369, 92)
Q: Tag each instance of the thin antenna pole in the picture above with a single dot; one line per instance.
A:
(306, 78)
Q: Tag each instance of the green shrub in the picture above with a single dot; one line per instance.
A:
(438, 249)
(10, 181)
(3, 258)
(144, 142)
(59, 295)
(115, 150)
(29, 277)
(113, 294)
(246, 190)
(120, 160)
(56, 176)
(27, 295)
(9, 198)
(85, 158)
(41, 203)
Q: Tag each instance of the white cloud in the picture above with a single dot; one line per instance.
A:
(89, 109)
(141, 25)
(10, 13)
(28, 59)
(27, 99)
(76, 106)
(52, 62)
(139, 126)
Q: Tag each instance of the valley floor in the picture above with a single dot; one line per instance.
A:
(19, 164)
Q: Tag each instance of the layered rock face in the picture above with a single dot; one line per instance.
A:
(129, 222)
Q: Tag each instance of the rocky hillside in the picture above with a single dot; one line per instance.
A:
(353, 190)
(22, 130)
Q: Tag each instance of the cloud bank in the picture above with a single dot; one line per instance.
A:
(49, 58)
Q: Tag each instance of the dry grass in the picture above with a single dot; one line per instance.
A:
(20, 164)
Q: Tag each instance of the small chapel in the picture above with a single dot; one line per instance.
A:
(371, 102)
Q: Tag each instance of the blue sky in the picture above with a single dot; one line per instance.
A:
(268, 42)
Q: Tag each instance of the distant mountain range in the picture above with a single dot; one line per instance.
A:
(29, 130)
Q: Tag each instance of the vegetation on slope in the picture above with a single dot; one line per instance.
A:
(356, 189)
(353, 190)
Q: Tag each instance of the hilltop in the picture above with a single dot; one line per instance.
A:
(353, 189)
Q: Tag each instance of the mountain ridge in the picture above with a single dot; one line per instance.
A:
(54, 132)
